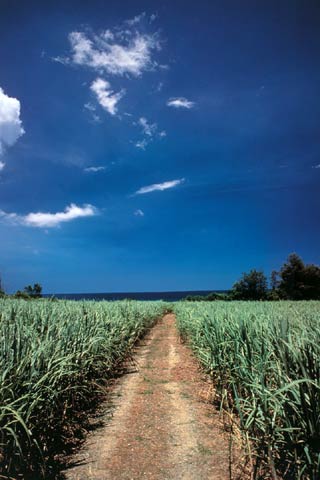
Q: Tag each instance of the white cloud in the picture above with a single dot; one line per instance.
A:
(159, 186)
(95, 118)
(105, 96)
(61, 59)
(118, 53)
(150, 130)
(142, 144)
(159, 87)
(89, 106)
(50, 220)
(316, 166)
(136, 19)
(2, 165)
(10, 124)
(147, 128)
(180, 102)
(94, 169)
(139, 213)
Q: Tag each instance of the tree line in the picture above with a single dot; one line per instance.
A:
(294, 281)
(29, 292)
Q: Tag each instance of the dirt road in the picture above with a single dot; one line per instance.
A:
(161, 428)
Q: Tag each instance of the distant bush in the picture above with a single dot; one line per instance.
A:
(29, 292)
(22, 295)
(35, 291)
(211, 297)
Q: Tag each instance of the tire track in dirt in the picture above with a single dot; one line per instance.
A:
(160, 428)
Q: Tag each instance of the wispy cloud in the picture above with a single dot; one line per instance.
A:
(148, 129)
(10, 123)
(124, 50)
(316, 166)
(180, 102)
(105, 96)
(142, 144)
(139, 213)
(136, 19)
(159, 186)
(91, 109)
(159, 87)
(94, 169)
(50, 220)
(61, 59)
(89, 106)
(119, 51)
(2, 165)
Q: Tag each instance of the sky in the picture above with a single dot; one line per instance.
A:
(157, 145)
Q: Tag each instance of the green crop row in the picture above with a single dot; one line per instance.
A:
(264, 359)
(54, 359)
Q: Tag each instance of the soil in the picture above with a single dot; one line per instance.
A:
(162, 427)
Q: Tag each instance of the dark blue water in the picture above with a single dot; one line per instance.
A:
(167, 296)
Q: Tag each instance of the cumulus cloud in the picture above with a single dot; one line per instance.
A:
(139, 213)
(10, 124)
(118, 52)
(180, 102)
(94, 169)
(159, 186)
(50, 220)
(105, 96)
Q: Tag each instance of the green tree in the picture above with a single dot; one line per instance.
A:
(2, 292)
(312, 282)
(251, 286)
(299, 281)
(37, 290)
(274, 280)
(21, 294)
(33, 292)
(292, 278)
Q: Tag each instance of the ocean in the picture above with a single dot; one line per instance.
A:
(167, 296)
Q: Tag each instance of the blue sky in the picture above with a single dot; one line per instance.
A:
(165, 145)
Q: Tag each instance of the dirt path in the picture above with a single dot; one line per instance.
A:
(160, 429)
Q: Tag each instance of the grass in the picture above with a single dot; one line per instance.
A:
(55, 359)
(264, 361)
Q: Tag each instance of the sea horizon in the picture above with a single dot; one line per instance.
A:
(171, 295)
